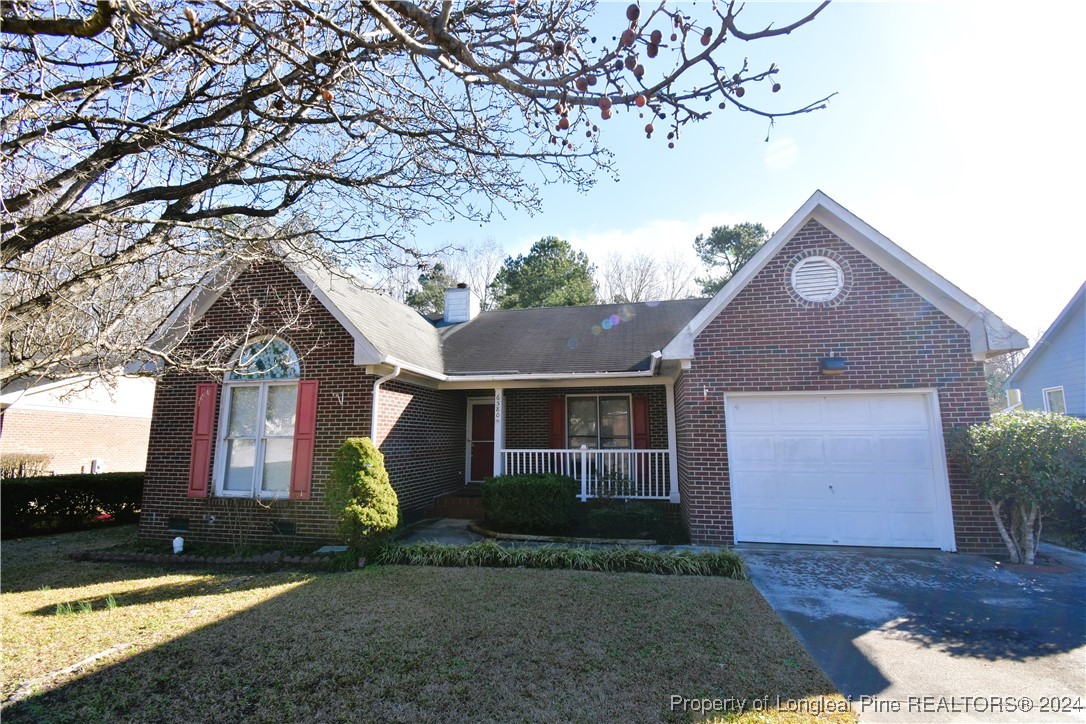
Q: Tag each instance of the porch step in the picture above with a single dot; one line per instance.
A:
(466, 503)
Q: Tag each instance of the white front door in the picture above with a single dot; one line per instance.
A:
(862, 469)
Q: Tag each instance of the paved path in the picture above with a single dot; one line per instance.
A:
(896, 627)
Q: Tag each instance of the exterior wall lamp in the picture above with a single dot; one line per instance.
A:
(832, 365)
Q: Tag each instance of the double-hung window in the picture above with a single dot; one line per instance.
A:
(256, 435)
(599, 422)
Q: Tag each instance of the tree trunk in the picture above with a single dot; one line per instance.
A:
(1007, 540)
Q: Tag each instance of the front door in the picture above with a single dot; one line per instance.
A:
(481, 441)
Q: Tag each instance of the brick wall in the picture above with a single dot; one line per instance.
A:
(422, 437)
(343, 410)
(74, 439)
(765, 341)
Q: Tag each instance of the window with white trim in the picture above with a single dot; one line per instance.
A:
(598, 421)
(256, 429)
(1054, 400)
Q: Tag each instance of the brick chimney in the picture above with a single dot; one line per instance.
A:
(461, 304)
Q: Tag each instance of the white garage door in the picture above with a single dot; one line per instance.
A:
(838, 469)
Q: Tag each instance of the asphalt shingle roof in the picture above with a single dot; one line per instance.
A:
(601, 338)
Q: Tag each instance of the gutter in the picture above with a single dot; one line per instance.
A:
(373, 400)
(652, 371)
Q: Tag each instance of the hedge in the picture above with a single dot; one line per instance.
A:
(530, 503)
(59, 503)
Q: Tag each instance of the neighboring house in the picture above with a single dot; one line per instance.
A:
(1052, 377)
(804, 403)
(81, 423)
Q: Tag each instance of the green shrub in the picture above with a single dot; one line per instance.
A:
(1022, 463)
(24, 465)
(610, 560)
(359, 492)
(67, 502)
(530, 503)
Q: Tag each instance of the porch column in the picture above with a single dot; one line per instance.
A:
(499, 430)
(672, 442)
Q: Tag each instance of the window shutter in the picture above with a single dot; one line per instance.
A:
(305, 434)
(641, 439)
(558, 423)
(203, 436)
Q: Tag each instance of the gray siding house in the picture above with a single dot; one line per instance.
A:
(1052, 377)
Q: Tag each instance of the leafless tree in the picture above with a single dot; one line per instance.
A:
(634, 278)
(677, 276)
(130, 132)
(476, 264)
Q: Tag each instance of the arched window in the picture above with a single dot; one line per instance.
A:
(256, 431)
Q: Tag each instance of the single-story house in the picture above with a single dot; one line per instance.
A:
(81, 424)
(1052, 377)
(804, 403)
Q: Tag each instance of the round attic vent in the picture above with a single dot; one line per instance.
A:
(818, 279)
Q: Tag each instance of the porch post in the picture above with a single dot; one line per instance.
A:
(584, 474)
(672, 443)
(499, 430)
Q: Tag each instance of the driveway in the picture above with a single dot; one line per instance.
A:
(930, 636)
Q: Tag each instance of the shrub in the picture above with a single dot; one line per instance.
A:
(610, 560)
(24, 465)
(359, 492)
(67, 502)
(1021, 463)
(530, 503)
(625, 520)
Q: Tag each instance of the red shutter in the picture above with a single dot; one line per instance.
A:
(305, 434)
(203, 437)
(558, 423)
(641, 422)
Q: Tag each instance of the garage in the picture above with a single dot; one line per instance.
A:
(842, 468)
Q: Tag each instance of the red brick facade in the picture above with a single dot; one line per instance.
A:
(343, 410)
(527, 423)
(74, 439)
(764, 340)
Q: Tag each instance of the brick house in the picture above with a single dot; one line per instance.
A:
(805, 403)
(82, 424)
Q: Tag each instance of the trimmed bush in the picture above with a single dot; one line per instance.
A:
(67, 502)
(359, 492)
(530, 503)
(1023, 464)
(609, 560)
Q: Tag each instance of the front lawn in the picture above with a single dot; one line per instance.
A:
(384, 643)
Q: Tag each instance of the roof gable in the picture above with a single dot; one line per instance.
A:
(989, 335)
(383, 330)
(1048, 339)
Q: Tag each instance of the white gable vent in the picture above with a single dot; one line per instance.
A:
(818, 279)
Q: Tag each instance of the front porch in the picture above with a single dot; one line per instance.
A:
(615, 441)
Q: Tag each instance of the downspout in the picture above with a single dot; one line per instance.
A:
(373, 401)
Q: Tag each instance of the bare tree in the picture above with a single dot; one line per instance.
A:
(676, 276)
(634, 278)
(140, 126)
(476, 264)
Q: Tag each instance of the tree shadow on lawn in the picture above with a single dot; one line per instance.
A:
(428, 644)
(202, 584)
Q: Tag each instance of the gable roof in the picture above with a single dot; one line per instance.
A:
(988, 334)
(1048, 337)
(599, 338)
(384, 330)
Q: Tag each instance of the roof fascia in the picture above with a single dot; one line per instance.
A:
(988, 333)
(1052, 331)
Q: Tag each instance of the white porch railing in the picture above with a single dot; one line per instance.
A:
(613, 473)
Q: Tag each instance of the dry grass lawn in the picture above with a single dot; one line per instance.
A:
(384, 643)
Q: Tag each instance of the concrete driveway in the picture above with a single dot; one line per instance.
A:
(929, 636)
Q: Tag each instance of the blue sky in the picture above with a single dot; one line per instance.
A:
(956, 132)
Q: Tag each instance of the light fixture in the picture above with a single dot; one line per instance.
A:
(832, 365)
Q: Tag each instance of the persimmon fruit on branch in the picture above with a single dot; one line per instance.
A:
(145, 142)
